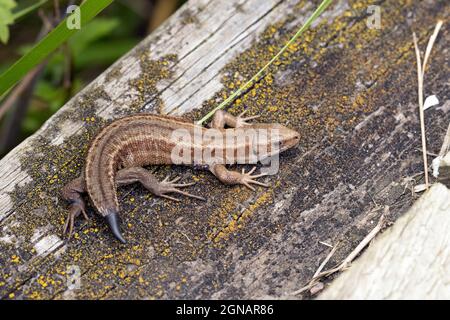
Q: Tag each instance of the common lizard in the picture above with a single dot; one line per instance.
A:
(119, 151)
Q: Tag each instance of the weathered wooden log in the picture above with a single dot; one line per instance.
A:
(409, 261)
(349, 88)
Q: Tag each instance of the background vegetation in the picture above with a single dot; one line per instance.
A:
(87, 53)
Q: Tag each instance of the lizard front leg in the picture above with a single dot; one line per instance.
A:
(222, 118)
(233, 177)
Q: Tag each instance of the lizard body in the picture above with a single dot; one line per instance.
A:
(120, 150)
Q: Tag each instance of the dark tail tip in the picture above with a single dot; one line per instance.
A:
(113, 222)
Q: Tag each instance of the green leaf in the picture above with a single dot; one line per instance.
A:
(24, 11)
(4, 33)
(8, 4)
(30, 124)
(88, 10)
(56, 67)
(104, 53)
(24, 49)
(92, 32)
(54, 96)
(6, 18)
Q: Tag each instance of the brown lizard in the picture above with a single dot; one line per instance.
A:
(119, 151)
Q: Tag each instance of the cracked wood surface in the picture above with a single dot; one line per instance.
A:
(348, 89)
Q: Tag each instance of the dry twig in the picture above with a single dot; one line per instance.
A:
(346, 262)
(420, 76)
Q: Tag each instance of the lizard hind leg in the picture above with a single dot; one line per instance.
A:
(72, 192)
(149, 181)
(130, 175)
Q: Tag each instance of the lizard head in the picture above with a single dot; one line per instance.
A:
(273, 139)
(287, 138)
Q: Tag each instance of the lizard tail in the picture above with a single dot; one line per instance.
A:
(113, 221)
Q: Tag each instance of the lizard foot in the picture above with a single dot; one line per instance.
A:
(75, 210)
(241, 121)
(170, 186)
(247, 179)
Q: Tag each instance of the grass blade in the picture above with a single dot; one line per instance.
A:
(27, 10)
(249, 83)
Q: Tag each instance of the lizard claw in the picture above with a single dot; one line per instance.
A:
(241, 121)
(75, 210)
(247, 179)
(169, 186)
(166, 179)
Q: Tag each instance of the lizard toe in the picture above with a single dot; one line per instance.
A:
(75, 210)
